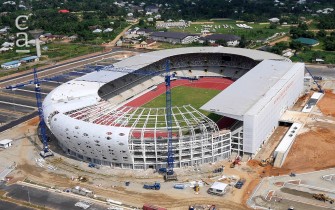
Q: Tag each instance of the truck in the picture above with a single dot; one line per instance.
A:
(239, 184)
(179, 186)
(93, 165)
(155, 186)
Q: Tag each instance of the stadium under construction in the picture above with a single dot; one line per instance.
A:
(99, 117)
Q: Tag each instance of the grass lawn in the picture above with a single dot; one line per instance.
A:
(259, 31)
(309, 56)
(183, 95)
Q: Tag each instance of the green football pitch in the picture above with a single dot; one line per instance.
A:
(184, 95)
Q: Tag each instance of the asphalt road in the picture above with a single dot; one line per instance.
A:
(53, 200)
(60, 73)
(18, 100)
(10, 107)
(4, 205)
(328, 73)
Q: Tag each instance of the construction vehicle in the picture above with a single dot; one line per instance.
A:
(267, 161)
(323, 197)
(239, 184)
(237, 161)
(93, 165)
(155, 186)
(82, 179)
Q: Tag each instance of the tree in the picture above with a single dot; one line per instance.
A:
(296, 45)
(141, 22)
(243, 42)
(273, 26)
(322, 33)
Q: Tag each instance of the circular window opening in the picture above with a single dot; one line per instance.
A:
(108, 138)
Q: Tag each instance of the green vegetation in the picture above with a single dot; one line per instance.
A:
(310, 56)
(184, 95)
(259, 31)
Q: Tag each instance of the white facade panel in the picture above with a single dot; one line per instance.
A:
(98, 142)
(278, 100)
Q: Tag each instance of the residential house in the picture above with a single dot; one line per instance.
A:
(162, 24)
(73, 37)
(147, 43)
(144, 31)
(152, 9)
(63, 11)
(230, 39)
(11, 64)
(29, 59)
(274, 20)
(4, 49)
(174, 37)
(8, 44)
(108, 30)
(97, 31)
(33, 42)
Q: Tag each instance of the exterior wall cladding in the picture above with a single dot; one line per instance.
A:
(258, 127)
(108, 145)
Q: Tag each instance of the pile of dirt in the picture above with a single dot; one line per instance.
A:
(313, 150)
(326, 104)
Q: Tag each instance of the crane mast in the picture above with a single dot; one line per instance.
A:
(170, 160)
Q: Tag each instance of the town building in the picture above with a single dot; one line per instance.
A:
(174, 37)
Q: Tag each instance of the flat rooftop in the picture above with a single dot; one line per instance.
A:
(251, 92)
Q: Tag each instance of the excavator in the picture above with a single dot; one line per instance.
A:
(267, 161)
(323, 197)
(237, 161)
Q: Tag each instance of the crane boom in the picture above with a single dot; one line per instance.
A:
(46, 152)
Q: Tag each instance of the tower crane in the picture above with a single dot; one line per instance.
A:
(169, 172)
(310, 73)
(46, 152)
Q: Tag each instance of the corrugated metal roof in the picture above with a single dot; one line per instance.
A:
(29, 58)
(251, 92)
(11, 63)
(172, 35)
(226, 37)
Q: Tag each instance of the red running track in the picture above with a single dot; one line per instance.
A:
(207, 83)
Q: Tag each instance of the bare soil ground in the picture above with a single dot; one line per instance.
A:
(283, 39)
(111, 186)
(313, 150)
(327, 103)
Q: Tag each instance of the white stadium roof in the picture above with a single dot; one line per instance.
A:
(145, 59)
(249, 94)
